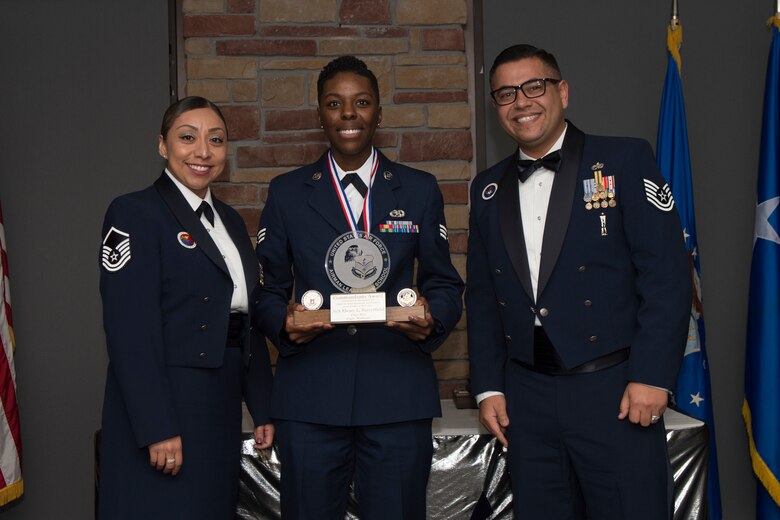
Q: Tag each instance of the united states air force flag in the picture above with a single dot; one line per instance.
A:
(761, 408)
(692, 393)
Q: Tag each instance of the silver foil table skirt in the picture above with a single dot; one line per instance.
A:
(468, 478)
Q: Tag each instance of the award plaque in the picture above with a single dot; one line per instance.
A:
(358, 308)
(357, 264)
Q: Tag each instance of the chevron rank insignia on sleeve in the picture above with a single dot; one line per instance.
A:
(443, 231)
(116, 250)
(659, 196)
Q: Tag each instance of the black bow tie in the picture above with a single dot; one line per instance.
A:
(355, 180)
(205, 209)
(525, 167)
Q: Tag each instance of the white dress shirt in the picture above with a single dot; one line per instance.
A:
(534, 201)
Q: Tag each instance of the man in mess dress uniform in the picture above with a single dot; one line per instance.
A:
(578, 299)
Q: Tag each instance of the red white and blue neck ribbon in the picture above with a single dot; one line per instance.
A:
(345, 207)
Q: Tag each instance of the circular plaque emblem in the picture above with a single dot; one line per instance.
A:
(357, 262)
(312, 300)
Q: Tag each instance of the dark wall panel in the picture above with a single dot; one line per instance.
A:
(84, 86)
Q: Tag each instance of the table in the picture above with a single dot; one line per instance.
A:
(468, 474)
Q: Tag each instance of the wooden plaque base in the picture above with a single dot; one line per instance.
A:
(393, 314)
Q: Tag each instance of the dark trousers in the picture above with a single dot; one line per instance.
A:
(571, 458)
(389, 463)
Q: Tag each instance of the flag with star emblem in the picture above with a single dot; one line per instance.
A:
(692, 394)
(761, 408)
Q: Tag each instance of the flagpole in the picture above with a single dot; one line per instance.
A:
(674, 35)
(692, 393)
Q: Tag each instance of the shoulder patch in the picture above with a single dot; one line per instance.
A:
(659, 196)
(116, 250)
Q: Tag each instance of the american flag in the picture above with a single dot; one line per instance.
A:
(11, 482)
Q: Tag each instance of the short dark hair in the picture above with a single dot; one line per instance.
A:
(522, 51)
(185, 105)
(346, 64)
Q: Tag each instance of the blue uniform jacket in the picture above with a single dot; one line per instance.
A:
(609, 278)
(374, 375)
(168, 304)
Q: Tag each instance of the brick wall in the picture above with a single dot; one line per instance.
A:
(259, 60)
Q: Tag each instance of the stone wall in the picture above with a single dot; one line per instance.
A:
(259, 60)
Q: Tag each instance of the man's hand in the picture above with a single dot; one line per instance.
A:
(492, 414)
(642, 403)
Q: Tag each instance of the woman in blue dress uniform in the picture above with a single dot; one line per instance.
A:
(178, 278)
(355, 401)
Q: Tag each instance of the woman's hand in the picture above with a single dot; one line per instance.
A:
(167, 455)
(416, 329)
(264, 436)
(301, 334)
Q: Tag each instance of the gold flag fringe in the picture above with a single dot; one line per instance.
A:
(762, 471)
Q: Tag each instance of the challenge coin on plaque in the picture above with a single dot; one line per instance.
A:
(312, 300)
(407, 309)
(406, 297)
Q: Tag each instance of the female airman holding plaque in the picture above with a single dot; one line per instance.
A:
(355, 387)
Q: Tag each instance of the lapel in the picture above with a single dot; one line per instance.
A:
(323, 198)
(189, 220)
(561, 202)
(383, 201)
(239, 236)
(512, 226)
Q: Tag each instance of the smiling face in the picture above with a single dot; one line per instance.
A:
(350, 113)
(535, 124)
(195, 147)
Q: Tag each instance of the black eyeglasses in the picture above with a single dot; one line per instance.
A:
(532, 88)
